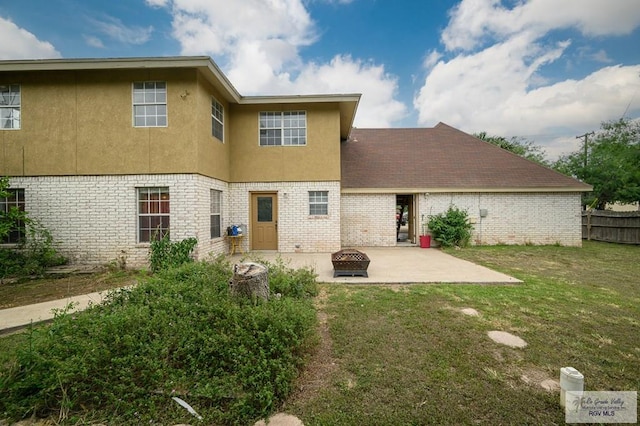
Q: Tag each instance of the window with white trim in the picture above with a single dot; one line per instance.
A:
(318, 203)
(150, 104)
(153, 213)
(13, 200)
(217, 120)
(283, 128)
(216, 213)
(10, 106)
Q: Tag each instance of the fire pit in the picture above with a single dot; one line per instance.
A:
(349, 262)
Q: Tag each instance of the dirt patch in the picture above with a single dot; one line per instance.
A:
(541, 379)
(63, 285)
(321, 365)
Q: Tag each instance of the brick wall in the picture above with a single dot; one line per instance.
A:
(297, 230)
(512, 218)
(94, 218)
(368, 220)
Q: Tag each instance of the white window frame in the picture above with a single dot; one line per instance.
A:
(215, 212)
(149, 100)
(282, 128)
(153, 208)
(17, 199)
(217, 120)
(318, 203)
(10, 106)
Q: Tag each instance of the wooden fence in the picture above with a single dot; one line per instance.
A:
(611, 226)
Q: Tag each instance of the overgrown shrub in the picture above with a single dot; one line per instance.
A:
(451, 228)
(35, 252)
(177, 334)
(33, 255)
(289, 282)
(166, 254)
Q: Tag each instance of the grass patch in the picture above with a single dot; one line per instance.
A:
(35, 290)
(407, 355)
(176, 334)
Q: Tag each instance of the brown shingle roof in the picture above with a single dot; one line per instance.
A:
(440, 158)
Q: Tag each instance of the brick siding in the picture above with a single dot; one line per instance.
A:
(297, 230)
(93, 219)
(512, 218)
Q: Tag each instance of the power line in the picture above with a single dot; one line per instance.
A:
(586, 145)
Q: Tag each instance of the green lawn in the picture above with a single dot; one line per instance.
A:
(407, 355)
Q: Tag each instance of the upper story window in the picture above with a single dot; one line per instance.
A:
(13, 200)
(150, 104)
(217, 120)
(10, 106)
(283, 128)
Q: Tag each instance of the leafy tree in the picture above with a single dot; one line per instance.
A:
(611, 164)
(519, 146)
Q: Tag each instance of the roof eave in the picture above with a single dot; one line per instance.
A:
(429, 190)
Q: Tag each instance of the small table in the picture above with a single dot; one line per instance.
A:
(235, 244)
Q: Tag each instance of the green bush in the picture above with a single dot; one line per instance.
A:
(33, 256)
(165, 254)
(35, 252)
(288, 282)
(451, 228)
(177, 334)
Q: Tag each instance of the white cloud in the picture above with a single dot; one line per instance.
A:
(431, 59)
(23, 45)
(117, 30)
(473, 22)
(495, 81)
(377, 107)
(257, 43)
(94, 42)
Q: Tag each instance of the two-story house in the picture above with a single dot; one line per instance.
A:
(110, 153)
(107, 153)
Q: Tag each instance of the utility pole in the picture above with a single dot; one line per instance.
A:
(586, 145)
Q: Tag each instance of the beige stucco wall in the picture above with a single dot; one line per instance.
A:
(80, 123)
(318, 160)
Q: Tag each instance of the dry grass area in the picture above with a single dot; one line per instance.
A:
(408, 355)
(62, 285)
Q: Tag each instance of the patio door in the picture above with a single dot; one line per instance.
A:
(264, 221)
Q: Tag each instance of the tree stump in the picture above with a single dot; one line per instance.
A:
(250, 280)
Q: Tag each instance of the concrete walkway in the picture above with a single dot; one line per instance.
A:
(13, 319)
(400, 265)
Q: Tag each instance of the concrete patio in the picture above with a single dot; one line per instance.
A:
(401, 265)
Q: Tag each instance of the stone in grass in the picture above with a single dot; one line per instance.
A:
(507, 339)
(281, 419)
(471, 312)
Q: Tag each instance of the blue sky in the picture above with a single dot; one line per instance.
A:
(544, 70)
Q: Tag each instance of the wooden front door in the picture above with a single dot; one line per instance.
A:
(264, 221)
